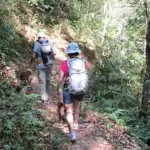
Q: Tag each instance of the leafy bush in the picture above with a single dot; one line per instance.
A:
(9, 41)
(116, 87)
(117, 78)
(19, 126)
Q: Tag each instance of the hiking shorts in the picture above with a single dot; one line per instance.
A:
(68, 98)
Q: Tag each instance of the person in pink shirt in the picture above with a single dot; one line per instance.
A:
(71, 100)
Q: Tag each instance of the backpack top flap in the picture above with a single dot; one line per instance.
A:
(76, 66)
(46, 47)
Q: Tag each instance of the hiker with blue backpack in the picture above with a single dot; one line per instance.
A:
(43, 53)
(74, 81)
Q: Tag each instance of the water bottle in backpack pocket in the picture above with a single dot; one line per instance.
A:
(78, 78)
(46, 53)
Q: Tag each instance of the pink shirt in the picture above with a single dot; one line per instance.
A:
(64, 68)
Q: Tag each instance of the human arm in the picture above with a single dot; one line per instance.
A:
(35, 52)
(60, 81)
(33, 57)
(53, 51)
(86, 65)
(61, 76)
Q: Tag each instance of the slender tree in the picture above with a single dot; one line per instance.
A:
(146, 85)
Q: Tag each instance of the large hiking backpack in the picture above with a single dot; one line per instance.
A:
(46, 52)
(78, 78)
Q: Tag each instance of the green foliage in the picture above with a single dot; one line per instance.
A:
(19, 125)
(116, 84)
(12, 44)
(57, 139)
(116, 80)
(48, 12)
(9, 41)
(74, 11)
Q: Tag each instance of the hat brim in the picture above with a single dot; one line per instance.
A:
(71, 51)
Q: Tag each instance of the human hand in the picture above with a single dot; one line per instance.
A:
(58, 93)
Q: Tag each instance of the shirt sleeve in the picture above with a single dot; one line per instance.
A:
(36, 47)
(62, 67)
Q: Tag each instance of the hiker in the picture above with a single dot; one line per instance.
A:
(44, 54)
(73, 77)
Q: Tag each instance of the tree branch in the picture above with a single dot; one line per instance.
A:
(146, 9)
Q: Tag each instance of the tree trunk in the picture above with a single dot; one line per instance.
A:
(146, 86)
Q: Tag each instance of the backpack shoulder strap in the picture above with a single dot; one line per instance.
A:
(67, 61)
(68, 64)
(71, 59)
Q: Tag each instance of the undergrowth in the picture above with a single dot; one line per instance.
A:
(12, 45)
(20, 123)
(115, 91)
(58, 139)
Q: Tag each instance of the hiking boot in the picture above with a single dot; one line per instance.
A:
(75, 126)
(72, 136)
(44, 101)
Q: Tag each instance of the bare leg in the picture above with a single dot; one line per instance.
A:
(76, 106)
(69, 115)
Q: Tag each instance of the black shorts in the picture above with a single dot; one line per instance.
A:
(68, 98)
